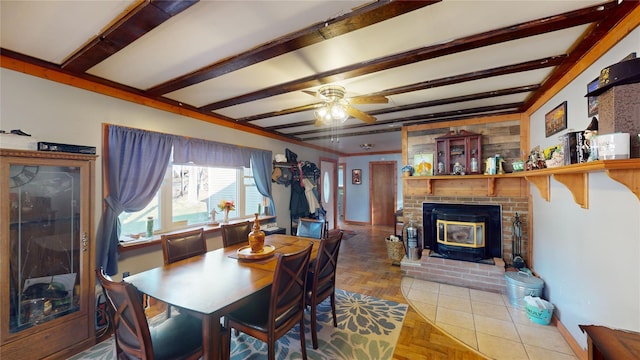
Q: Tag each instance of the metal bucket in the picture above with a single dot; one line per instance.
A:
(521, 284)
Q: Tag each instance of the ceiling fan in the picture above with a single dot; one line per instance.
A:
(337, 108)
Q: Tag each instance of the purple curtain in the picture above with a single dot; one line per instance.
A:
(261, 168)
(138, 160)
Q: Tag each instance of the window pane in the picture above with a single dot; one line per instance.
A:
(190, 194)
(197, 190)
(136, 223)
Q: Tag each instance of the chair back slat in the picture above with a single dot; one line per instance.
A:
(323, 277)
(287, 289)
(313, 228)
(179, 246)
(235, 233)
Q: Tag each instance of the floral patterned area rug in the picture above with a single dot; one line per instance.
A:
(368, 328)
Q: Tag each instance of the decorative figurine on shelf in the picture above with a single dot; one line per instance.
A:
(536, 159)
(407, 170)
(553, 156)
(458, 169)
(213, 216)
(591, 134)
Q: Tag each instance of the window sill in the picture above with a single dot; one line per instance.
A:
(209, 230)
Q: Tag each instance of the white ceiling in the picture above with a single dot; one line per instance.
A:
(209, 32)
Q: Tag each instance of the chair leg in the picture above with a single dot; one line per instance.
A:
(271, 349)
(225, 341)
(314, 330)
(303, 345)
(333, 309)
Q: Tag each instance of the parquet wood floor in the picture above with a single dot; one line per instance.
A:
(363, 267)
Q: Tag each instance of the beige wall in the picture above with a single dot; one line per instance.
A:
(54, 112)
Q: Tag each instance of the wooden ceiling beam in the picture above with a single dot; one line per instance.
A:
(430, 121)
(475, 75)
(357, 19)
(409, 119)
(430, 103)
(531, 28)
(142, 19)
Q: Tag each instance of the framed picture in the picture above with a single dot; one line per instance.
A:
(356, 176)
(592, 101)
(423, 164)
(556, 119)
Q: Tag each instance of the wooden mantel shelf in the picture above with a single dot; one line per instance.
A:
(465, 185)
(575, 177)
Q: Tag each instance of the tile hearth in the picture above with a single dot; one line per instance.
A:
(485, 321)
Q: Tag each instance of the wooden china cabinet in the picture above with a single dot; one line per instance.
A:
(47, 254)
(459, 153)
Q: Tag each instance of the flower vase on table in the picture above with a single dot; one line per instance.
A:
(226, 217)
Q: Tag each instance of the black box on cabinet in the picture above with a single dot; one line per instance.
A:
(576, 149)
(55, 147)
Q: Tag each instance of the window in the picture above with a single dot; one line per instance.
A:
(188, 195)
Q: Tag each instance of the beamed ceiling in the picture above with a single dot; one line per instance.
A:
(257, 64)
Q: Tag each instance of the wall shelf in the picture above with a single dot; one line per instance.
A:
(465, 185)
(574, 177)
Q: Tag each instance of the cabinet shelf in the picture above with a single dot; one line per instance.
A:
(574, 177)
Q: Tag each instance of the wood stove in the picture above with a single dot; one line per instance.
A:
(469, 232)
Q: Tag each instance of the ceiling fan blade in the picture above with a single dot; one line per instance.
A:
(312, 93)
(360, 115)
(375, 99)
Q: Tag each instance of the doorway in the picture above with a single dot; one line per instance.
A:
(383, 185)
(341, 192)
(328, 190)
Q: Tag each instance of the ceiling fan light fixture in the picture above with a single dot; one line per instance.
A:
(330, 113)
(338, 111)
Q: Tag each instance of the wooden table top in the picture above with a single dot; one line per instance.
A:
(216, 282)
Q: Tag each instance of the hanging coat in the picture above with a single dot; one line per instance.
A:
(312, 198)
(298, 204)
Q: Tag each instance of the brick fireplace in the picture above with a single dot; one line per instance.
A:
(477, 275)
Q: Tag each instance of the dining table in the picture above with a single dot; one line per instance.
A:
(220, 281)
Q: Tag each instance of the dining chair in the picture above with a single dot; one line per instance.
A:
(179, 337)
(273, 311)
(235, 233)
(321, 280)
(182, 245)
(313, 228)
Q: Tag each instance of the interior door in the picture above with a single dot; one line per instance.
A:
(383, 191)
(328, 189)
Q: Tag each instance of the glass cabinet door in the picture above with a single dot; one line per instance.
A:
(45, 243)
